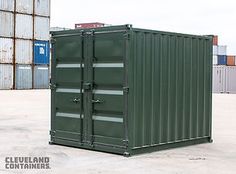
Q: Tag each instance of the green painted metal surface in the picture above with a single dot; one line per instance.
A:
(125, 90)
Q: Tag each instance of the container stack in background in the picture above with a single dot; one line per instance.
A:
(224, 69)
(24, 44)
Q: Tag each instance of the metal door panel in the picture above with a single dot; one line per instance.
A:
(67, 93)
(108, 47)
(69, 49)
(108, 102)
(113, 76)
(108, 82)
(68, 77)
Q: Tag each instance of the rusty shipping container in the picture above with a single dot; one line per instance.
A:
(127, 90)
(231, 60)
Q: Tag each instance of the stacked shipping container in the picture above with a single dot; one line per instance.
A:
(24, 44)
(224, 69)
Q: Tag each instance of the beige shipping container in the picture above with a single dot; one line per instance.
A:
(6, 24)
(6, 76)
(6, 50)
(24, 51)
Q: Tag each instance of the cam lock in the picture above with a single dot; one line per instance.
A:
(87, 86)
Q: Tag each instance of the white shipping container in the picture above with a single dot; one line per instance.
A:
(222, 50)
(24, 6)
(215, 60)
(24, 51)
(41, 30)
(6, 24)
(231, 79)
(6, 50)
(215, 49)
(219, 79)
(42, 7)
(6, 76)
(7, 5)
(24, 26)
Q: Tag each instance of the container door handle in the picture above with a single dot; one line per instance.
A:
(76, 100)
(97, 101)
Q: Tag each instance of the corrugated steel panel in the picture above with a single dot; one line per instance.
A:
(23, 77)
(6, 76)
(231, 79)
(150, 89)
(6, 20)
(7, 5)
(42, 7)
(41, 52)
(6, 50)
(231, 60)
(24, 51)
(41, 77)
(222, 59)
(24, 6)
(222, 50)
(215, 50)
(215, 60)
(41, 31)
(24, 26)
(219, 79)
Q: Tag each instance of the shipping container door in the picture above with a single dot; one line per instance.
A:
(66, 84)
(103, 87)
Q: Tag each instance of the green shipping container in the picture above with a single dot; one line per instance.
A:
(126, 90)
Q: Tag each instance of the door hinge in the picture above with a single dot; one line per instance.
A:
(52, 86)
(126, 143)
(52, 41)
(127, 36)
(53, 133)
(126, 89)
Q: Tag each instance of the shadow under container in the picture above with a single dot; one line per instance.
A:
(125, 90)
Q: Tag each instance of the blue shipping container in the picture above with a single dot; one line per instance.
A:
(41, 52)
(222, 59)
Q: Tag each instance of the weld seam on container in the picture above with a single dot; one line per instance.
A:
(166, 82)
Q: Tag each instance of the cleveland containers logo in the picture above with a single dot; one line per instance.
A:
(27, 163)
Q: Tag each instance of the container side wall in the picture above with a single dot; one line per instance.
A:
(170, 88)
(23, 77)
(6, 20)
(24, 51)
(24, 26)
(6, 76)
(6, 50)
(41, 77)
(7, 5)
(24, 6)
